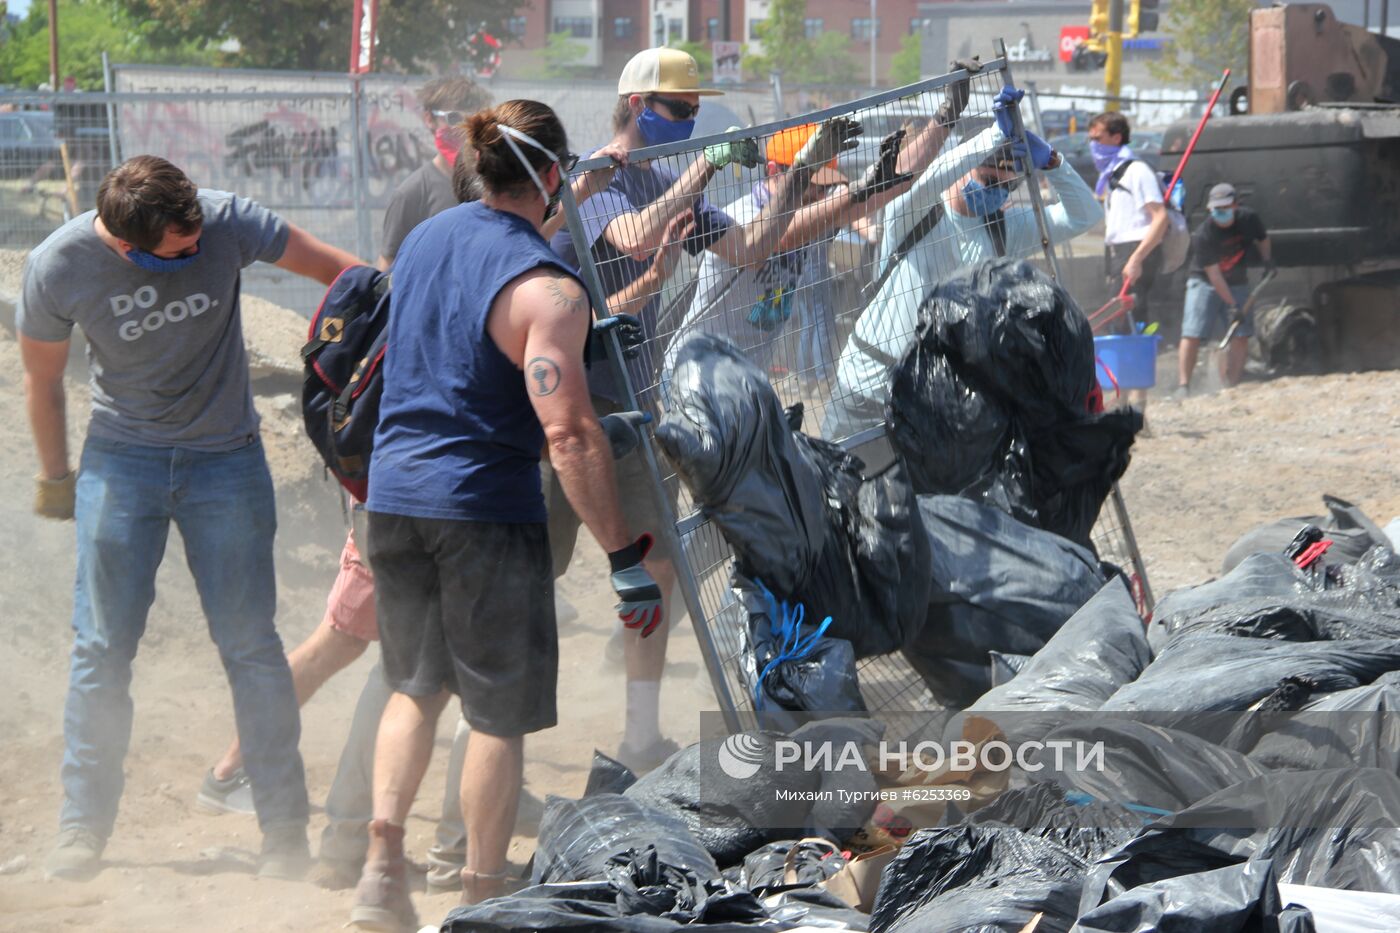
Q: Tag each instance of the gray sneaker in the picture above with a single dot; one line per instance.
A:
(285, 853)
(77, 856)
(642, 760)
(233, 795)
(1180, 392)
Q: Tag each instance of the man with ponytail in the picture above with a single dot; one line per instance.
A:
(485, 370)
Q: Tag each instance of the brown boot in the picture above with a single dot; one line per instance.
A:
(478, 886)
(382, 903)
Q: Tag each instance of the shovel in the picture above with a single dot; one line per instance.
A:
(1248, 303)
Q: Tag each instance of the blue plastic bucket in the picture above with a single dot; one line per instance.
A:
(1131, 359)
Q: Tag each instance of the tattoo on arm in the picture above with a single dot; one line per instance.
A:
(568, 295)
(542, 373)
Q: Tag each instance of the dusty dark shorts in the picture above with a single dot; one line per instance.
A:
(469, 607)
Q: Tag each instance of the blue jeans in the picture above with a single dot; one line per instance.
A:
(222, 502)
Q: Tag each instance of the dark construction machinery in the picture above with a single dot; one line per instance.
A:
(1313, 146)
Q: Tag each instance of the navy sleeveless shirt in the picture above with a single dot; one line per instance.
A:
(457, 436)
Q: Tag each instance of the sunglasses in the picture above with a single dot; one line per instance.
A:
(567, 161)
(454, 117)
(679, 108)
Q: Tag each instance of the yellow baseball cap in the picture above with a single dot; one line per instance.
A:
(784, 145)
(662, 71)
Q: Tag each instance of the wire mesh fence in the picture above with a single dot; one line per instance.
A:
(818, 285)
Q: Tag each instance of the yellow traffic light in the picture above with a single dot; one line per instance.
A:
(1098, 20)
(1142, 17)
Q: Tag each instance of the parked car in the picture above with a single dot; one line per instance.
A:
(26, 142)
(1147, 146)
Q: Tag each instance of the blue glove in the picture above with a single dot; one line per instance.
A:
(639, 598)
(1040, 150)
(1002, 105)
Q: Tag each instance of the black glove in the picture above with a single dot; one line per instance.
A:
(629, 333)
(959, 92)
(1269, 267)
(639, 605)
(881, 174)
(624, 430)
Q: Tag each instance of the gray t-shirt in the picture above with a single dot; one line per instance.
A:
(165, 349)
(424, 193)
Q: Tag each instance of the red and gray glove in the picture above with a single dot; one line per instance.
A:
(639, 598)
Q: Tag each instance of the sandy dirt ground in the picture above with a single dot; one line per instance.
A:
(1210, 468)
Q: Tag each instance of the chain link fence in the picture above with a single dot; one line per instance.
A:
(815, 296)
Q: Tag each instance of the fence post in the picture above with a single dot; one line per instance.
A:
(1032, 177)
(775, 81)
(714, 661)
(112, 149)
(359, 123)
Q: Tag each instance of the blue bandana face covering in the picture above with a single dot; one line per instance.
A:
(657, 130)
(153, 263)
(1104, 155)
(984, 201)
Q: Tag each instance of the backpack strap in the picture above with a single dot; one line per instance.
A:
(906, 245)
(996, 227)
(1116, 178)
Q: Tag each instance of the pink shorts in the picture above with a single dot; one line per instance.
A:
(350, 607)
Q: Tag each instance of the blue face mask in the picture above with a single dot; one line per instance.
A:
(153, 263)
(984, 201)
(1224, 216)
(1104, 155)
(657, 130)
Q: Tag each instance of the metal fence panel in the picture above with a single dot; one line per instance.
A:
(795, 317)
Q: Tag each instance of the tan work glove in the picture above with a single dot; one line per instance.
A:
(53, 498)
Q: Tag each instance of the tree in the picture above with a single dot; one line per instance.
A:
(561, 55)
(1206, 37)
(87, 28)
(786, 48)
(907, 65)
(413, 35)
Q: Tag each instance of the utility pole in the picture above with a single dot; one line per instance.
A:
(724, 21)
(1113, 68)
(53, 44)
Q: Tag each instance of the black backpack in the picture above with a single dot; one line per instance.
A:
(344, 365)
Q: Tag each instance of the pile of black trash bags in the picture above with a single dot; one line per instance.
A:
(976, 539)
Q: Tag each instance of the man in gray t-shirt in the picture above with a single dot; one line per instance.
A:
(152, 278)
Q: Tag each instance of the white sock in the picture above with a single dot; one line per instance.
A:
(643, 713)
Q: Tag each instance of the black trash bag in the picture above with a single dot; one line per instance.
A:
(791, 665)
(852, 801)
(1237, 899)
(1005, 666)
(1220, 673)
(978, 877)
(1352, 534)
(1267, 596)
(993, 400)
(577, 837)
(607, 776)
(998, 585)
(581, 907)
(765, 870)
(1102, 647)
(795, 509)
(1351, 728)
(815, 908)
(1331, 829)
(730, 817)
(648, 885)
(1086, 827)
(1150, 769)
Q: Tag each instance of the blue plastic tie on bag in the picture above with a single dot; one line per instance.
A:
(1079, 798)
(785, 622)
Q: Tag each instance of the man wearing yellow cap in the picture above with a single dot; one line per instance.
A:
(648, 205)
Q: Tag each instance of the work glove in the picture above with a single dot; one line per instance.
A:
(1269, 267)
(833, 137)
(629, 333)
(53, 498)
(881, 174)
(624, 430)
(639, 598)
(1003, 106)
(743, 152)
(1040, 151)
(959, 92)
